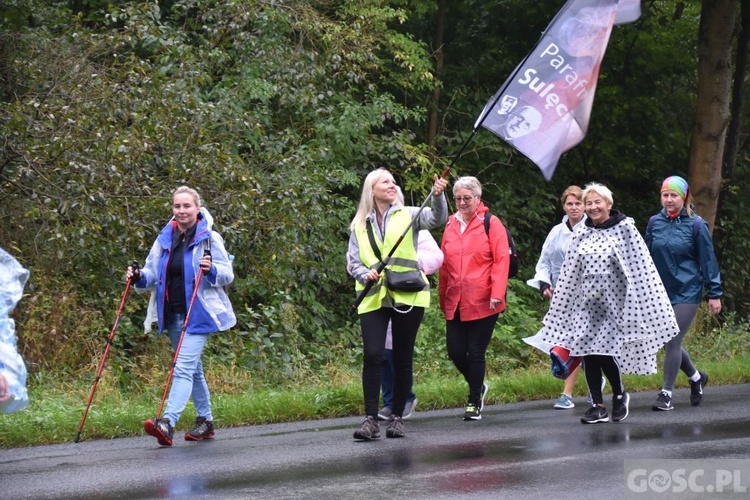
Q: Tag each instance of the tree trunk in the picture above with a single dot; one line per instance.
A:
(712, 105)
(432, 125)
(740, 70)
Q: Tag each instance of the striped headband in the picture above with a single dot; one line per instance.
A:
(677, 184)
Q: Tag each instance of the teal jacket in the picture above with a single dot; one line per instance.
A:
(686, 263)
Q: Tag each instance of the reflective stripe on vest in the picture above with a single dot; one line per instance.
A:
(403, 259)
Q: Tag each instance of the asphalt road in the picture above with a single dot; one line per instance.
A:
(518, 451)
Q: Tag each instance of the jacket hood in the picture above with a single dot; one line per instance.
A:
(202, 229)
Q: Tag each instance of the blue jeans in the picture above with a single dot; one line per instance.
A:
(386, 381)
(188, 379)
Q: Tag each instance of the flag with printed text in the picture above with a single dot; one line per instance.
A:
(543, 108)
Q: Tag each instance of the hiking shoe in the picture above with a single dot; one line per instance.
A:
(663, 402)
(395, 427)
(696, 389)
(370, 429)
(485, 388)
(203, 429)
(161, 429)
(472, 412)
(564, 402)
(409, 408)
(385, 413)
(620, 407)
(594, 415)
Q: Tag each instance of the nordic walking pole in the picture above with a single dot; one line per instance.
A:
(206, 253)
(135, 266)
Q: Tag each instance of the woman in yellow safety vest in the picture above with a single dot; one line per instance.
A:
(378, 224)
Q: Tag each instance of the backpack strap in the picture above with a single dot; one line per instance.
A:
(696, 226)
(487, 217)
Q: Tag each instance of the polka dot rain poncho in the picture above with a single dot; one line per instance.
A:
(610, 300)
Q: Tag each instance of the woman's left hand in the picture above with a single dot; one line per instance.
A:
(495, 303)
(440, 185)
(714, 306)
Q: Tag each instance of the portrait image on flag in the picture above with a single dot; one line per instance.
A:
(543, 109)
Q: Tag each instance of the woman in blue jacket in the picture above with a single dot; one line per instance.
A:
(680, 244)
(185, 248)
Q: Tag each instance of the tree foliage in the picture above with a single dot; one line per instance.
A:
(275, 110)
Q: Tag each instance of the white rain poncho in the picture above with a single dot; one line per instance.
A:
(610, 300)
(13, 278)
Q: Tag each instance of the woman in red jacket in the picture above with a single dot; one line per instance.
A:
(473, 280)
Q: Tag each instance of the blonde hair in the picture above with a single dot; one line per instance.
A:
(572, 190)
(367, 199)
(188, 190)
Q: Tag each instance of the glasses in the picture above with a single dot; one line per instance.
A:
(463, 199)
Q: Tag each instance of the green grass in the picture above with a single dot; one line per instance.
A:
(56, 408)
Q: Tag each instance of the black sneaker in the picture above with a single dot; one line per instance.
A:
(370, 429)
(395, 428)
(696, 389)
(663, 402)
(595, 415)
(203, 429)
(472, 412)
(161, 429)
(620, 407)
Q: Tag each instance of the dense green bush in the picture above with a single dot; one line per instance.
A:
(275, 111)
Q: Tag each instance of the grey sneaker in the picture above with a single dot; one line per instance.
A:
(696, 389)
(564, 402)
(620, 407)
(203, 429)
(663, 402)
(409, 408)
(385, 413)
(370, 429)
(161, 429)
(395, 428)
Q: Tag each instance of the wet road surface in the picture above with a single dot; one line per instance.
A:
(519, 451)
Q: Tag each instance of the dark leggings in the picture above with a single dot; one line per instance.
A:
(593, 366)
(467, 343)
(374, 326)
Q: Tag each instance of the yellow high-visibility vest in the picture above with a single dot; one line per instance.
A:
(403, 259)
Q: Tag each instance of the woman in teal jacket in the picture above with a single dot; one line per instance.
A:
(680, 244)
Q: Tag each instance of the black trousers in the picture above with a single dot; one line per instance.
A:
(593, 366)
(467, 343)
(404, 327)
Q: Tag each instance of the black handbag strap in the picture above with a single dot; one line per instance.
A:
(371, 237)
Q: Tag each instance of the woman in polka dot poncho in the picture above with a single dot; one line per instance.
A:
(610, 305)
